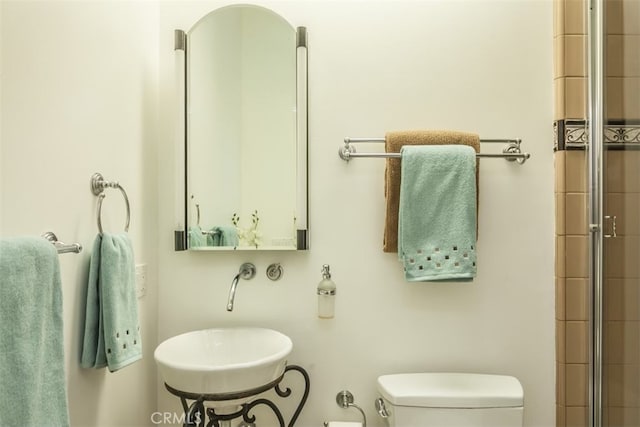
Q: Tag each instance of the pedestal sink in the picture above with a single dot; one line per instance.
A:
(223, 374)
(223, 361)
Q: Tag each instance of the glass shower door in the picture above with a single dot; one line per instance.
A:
(618, 313)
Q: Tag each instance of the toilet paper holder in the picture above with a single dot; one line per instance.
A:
(345, 400)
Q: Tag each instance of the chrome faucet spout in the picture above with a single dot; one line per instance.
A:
(232, 292)
(247, 272)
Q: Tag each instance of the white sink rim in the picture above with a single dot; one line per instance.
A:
(269, 365)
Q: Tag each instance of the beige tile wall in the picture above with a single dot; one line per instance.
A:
(572, 297)
(622, 60)
(622, 199)
(569, 65)
(622, 289)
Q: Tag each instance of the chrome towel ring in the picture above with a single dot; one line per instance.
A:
(98, 185)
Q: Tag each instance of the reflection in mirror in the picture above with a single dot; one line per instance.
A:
(246, 132)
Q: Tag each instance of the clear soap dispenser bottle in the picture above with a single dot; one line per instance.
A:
(326, 295)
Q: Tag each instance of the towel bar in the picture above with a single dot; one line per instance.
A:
(511, 152)
(62, 247)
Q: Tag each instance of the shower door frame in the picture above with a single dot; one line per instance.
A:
(596, 124)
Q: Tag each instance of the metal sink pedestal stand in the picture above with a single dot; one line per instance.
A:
(196, 415)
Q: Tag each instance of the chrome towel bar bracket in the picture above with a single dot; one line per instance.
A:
(98, 185)
(62, 247)
(511, 152)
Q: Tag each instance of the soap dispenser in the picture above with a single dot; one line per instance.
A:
(326, 295)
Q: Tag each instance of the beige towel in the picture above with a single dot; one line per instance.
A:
(393, 144)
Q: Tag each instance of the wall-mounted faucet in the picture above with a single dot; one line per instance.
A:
(247, 272)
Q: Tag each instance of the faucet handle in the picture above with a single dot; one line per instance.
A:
(274, 271)
(247, 271)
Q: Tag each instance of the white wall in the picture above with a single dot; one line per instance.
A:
(482, 66)
(79, 95)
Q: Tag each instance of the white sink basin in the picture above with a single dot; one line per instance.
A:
(224, 360)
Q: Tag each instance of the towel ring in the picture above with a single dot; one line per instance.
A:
(98, 185)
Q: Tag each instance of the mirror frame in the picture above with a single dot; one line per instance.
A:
(302, 138)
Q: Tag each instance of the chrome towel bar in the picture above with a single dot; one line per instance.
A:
(62, 247)
(511, 152)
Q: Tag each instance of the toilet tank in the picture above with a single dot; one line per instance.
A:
(451, 400)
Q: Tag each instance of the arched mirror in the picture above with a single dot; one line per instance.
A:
(245, 124)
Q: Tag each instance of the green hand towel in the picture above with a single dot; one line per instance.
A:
(112, 332)
(224, 236)
(93, 355)
(32, 378)
(213, 237)
(196, 237)
(437, 216)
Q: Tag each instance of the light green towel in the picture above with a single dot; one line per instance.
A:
(437, 216)
(112, 331)
(223, 236)
(197, 238)
(32, 379)
(213, 237)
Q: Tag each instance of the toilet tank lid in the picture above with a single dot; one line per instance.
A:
(451, 390)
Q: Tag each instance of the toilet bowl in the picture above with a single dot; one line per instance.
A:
(450, 399)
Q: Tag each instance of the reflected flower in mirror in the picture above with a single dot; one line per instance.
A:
(250, 236)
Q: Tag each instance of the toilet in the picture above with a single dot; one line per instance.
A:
(450, 399)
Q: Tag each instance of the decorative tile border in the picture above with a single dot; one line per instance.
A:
(626, 134)
(574, 134)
